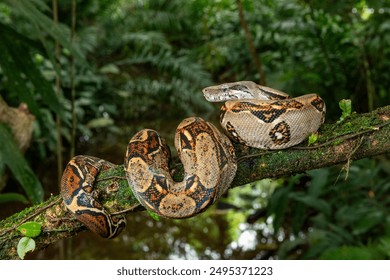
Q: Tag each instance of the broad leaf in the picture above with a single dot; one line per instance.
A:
(30, 229)
(25, 245)
(14, 159)
(16, 61)
(352, 253)
(11, 197)
(369, 220)
(313, 202)
(31, 10)
(15, 82)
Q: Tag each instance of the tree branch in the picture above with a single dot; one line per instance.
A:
(359, 136)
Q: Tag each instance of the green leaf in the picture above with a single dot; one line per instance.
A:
(41, 85)
(14, 159)
(289, 246)
(313, 202)
(298, 217)
(313, 138)
(15, 81)
(319, 181)
(384, 246)
(110, 69)
(352, 253)
(31, 11)
(346, 106)
(30, 229)
(19, 61)
(153, 215)
(100, 122)
(10, 197)
(368, 221)
(25, 245)
(278, 206)
(346, 109)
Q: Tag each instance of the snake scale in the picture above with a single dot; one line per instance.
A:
(252, 115)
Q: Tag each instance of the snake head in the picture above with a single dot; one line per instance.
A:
(241, 90)
(230, 91)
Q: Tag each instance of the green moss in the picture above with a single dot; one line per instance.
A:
(10, 221)
(115, 191)
(353, 124)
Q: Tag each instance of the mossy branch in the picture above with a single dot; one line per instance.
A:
(359, 136)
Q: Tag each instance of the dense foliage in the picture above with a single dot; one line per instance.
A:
(131, 61)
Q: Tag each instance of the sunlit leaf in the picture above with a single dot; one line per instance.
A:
(312, 139)
(100, 122)
(346, 109)
(154, 215)
(30, 229)
(25, 245)
(110, 69)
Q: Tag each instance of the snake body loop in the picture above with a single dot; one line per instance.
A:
(252, 115)
(77, 191)
(265, 118)
(209, 168)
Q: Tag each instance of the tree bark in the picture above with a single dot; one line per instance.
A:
(359, 136)
(21, 123)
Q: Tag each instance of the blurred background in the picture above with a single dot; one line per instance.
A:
(93, 72)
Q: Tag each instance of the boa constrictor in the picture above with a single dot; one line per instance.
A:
(252, 115)
(266, 118)
(209, 167)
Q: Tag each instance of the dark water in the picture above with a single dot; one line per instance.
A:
(220, 233)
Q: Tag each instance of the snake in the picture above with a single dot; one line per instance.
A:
(265, 118)
(77, 191)
(252, 115)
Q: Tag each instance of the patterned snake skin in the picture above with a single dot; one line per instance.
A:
(252, 115)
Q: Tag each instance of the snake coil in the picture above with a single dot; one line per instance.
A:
(252, 115)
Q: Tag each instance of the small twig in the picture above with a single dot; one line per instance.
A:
(52, 220)
(62, 230)
(348, 163)
(255, 155)
(342, 137)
